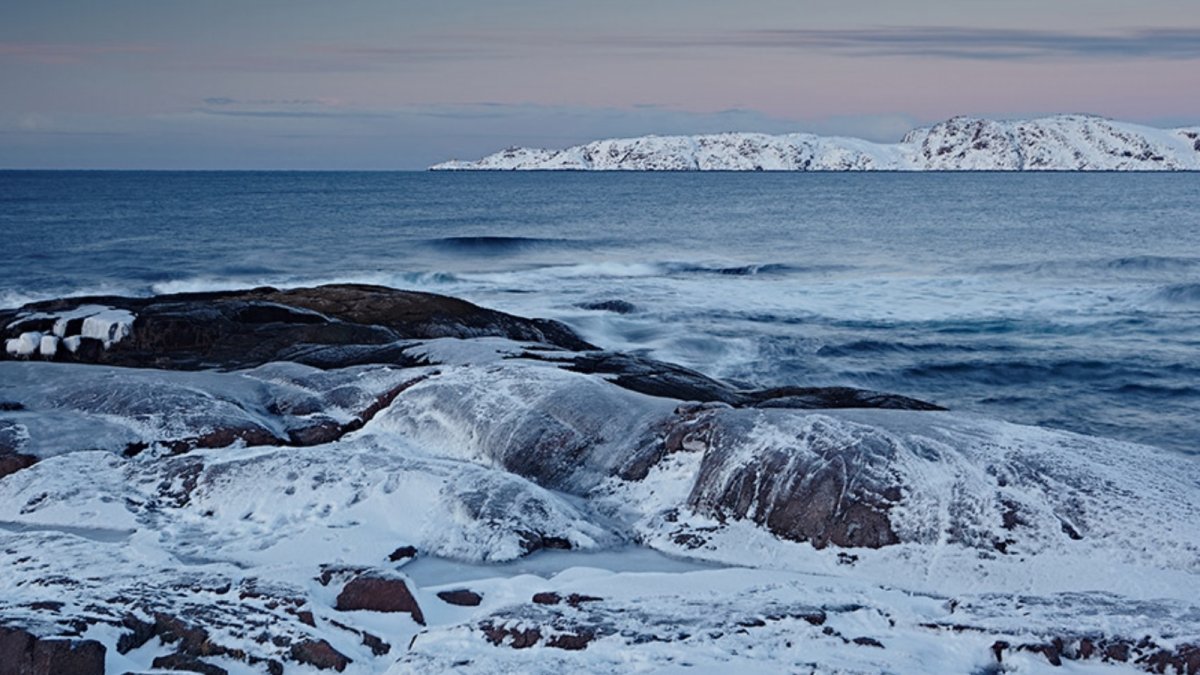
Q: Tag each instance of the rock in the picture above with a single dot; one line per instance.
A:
(379, 594)
(320, 654)
(12, 462)
(571, 641)
(23, 653)
(461, 597)
(377, 646)
(331, 326)
(821, 488)
(547, 598)
(814, 398)
(659, 378)
(614, 306)
(517, 638)
(867, 642)
(576, 599)
(402, 553)
(187, 663)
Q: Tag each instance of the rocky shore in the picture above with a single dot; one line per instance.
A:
(253, 481)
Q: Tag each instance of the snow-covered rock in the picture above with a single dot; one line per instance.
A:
(1058, 143)
(290, 518)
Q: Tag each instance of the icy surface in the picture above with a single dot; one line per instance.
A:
(1059, 143)
(485, 463)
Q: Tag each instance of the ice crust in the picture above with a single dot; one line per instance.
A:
(1019, 533)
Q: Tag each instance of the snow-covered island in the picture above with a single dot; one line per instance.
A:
(361, 480)
(1058, 143)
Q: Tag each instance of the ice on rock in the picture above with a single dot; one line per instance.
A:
(109, 326)
(72, 343)
(24, 345)
(48, 346)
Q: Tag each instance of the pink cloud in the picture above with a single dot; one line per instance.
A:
(63, 53)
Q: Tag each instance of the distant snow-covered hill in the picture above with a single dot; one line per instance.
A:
(1059, 143)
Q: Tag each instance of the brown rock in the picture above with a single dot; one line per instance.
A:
(11, 463)
(187, 663)
(519, 638)
(321, 654)
(571, 641)
(547, 598)
(576, 599)
(461, 597)
(23, 653)
(379, 594)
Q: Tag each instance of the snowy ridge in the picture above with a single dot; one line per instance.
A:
(1058, 143)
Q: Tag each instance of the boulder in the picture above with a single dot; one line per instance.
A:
(378, 593)
(23, 653)
(461, 597)
(336, 325)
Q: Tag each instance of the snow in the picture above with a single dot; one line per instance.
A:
(109, 326)
(484, 456)
(1058, 143)
(105, 324)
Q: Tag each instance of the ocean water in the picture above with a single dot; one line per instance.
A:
(1063, 300)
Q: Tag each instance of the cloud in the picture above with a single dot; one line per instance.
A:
(953, 43)
(57, 54)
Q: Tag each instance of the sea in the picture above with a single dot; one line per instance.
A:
(1063, 300)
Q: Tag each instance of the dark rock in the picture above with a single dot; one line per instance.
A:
(139, 634)
(614, 306)
(46, 605)
(379, 594)
(403, 553)
(827, 494)
(23, 653)
(519, 638)
(659, 378)
(547, 598)
(575, 599)
(815, 398)
(10, 406)
(242, 329)
(655, 378)
(461, 597)
(571, 641)
(320, 654)
(192, 639)
(187, 663)
(12, 462)
(373, 642)
(867, 642)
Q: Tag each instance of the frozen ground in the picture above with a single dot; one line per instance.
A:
(183, 515)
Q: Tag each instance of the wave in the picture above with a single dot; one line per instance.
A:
(877, 347)
(1136, 264)
(500, 245)
(1016, 372)
(1179, 294)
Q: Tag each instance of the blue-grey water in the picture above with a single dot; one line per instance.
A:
(1065, 300)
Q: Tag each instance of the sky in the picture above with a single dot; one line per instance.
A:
(401, 84)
